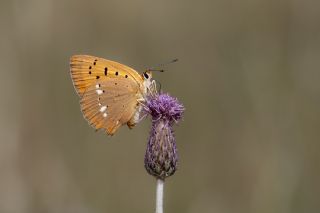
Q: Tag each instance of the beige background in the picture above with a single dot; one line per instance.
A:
(248, 76)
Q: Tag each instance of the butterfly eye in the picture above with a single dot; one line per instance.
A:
(146, 75)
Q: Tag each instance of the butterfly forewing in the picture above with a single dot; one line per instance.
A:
(86, 70)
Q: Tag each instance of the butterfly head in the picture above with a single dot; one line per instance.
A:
(147, 80)
(147, 75)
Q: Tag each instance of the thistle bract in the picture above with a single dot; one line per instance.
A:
(161, 155)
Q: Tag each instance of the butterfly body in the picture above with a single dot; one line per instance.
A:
(111, 93)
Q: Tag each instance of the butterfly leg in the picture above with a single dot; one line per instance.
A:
(153, 88)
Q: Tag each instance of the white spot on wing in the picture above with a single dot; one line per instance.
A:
(105, 114)
(97, 86)
(103, 108)
(99, 91)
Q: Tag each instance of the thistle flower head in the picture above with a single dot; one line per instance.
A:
(161, 155)
(164, 107)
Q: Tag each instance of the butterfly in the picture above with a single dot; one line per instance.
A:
(112, 94)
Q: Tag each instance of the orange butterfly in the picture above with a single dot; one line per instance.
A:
(112, 94)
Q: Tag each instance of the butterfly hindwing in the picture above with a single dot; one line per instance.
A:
(109, 104)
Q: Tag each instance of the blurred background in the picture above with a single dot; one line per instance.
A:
(248, 75)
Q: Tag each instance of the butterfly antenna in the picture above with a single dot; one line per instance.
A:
(155, 70)
(166, 63)
(161, 65)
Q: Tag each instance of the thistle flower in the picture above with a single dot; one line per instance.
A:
(161, 155)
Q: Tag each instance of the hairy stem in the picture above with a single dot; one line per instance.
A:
(159, 196)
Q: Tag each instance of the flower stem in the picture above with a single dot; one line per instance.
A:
(159, 196)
